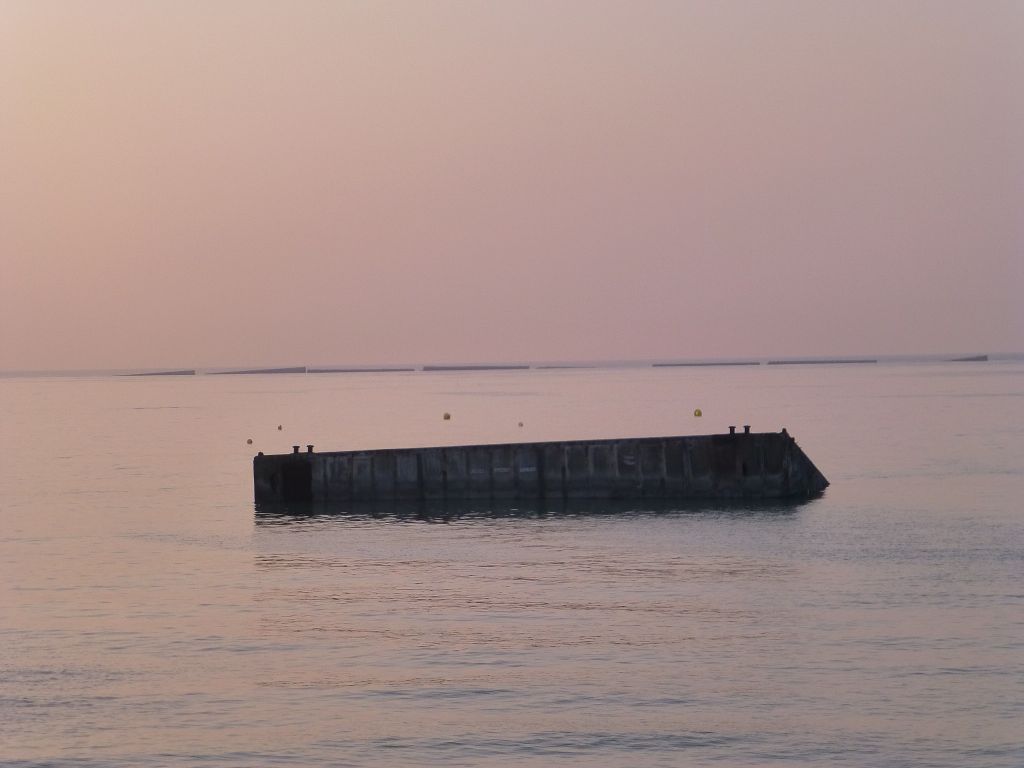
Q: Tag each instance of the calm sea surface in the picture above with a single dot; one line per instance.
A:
(150, 616)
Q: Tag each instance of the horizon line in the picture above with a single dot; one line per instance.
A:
(661, 362)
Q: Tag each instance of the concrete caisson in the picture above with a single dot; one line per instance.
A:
(747, 465)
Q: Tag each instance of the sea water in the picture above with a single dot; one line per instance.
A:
(150, 615)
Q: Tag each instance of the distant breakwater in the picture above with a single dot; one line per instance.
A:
(485, 367)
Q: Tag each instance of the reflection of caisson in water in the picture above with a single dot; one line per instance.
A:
(745, 465)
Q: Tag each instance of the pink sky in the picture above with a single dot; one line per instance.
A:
(199, 184)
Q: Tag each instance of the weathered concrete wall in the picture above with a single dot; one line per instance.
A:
(763, 465)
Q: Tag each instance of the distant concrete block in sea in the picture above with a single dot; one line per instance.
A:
(741, 465)
(184, 372)
(296, 369)
(476, 367)
(358, 370)
(820, 362)
(703, 365)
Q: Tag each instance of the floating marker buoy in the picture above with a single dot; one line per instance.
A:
(279, 427)
(249, 441)
(697, 412)
(447, 416)
(520, 423)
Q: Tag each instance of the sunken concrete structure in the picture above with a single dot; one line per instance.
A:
(736, 465)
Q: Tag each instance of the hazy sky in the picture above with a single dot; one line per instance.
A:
(220, 183)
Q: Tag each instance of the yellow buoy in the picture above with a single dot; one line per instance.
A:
(697, 412)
